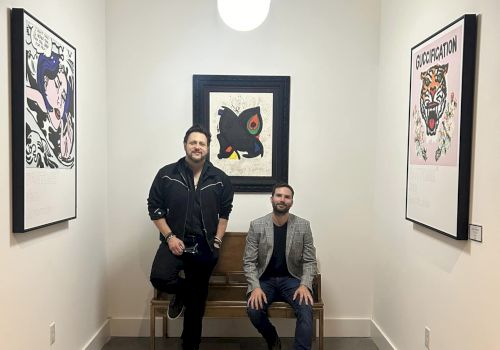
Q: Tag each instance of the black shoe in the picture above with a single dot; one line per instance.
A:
(175, 307)
(274, 345)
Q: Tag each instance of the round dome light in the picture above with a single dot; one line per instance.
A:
(243, 15)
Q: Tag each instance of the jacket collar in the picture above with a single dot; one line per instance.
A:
(208, 169)
(182, 166)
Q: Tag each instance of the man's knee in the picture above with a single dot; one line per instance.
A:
(304, 313)
(255, 315)
(168, 286)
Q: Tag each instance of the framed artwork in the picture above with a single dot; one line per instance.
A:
(43, 124)
(440, 129)
(248, 118)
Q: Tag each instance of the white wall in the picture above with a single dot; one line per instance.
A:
(422, 278)
(330, 50)
(58, 273)
(347, 163)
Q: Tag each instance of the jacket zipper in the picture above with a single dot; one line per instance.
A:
(187, 205)
(205, 233)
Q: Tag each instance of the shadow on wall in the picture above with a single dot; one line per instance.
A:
(31, 237)
(445, 253)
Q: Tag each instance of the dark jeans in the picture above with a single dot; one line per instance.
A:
(282, 289)
(193, 288)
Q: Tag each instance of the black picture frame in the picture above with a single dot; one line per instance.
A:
(440, 122)
(271, 95)
(44, 157)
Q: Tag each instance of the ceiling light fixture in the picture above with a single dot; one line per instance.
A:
(243, 15)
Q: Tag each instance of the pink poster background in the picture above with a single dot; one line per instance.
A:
(453, 82)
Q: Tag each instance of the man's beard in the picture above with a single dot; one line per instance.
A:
(280, 211)
(196, 160)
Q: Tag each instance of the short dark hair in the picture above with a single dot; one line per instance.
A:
(282, 184)
(200, 129)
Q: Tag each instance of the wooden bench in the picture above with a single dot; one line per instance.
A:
(227, 292)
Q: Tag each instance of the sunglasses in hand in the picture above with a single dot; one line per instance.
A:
(191, 250)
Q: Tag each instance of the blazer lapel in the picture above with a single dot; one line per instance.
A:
(290, 232)
(269, 230)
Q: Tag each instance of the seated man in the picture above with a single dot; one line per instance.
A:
(280, 263)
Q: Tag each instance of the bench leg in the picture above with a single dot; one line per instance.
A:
(315, 327)
(321, 326)
(152, 327)
(165, 326)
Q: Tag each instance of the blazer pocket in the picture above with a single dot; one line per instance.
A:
(297, 247)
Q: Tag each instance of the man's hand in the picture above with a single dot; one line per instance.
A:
(257, 299)
(304, 295)
(176, 246)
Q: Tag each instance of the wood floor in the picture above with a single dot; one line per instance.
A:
(129, 343)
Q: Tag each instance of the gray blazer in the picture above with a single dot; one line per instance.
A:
(300, 251)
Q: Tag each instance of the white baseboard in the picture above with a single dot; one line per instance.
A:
(238, 327)
(334, 327)
(100, 338)
(380, 338)
(347, 327)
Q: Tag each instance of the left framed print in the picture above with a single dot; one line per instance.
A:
(44, 157)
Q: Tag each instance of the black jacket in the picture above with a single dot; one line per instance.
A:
(169, 193)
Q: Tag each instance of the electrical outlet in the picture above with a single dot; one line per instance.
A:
(427, 337)
(52, 332)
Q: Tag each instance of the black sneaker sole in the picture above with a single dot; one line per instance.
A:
(176, 317)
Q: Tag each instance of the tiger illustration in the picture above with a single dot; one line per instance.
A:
(433, 96)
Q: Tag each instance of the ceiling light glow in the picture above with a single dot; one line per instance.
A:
(243, 15)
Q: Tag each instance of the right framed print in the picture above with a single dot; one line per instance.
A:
(440, 128)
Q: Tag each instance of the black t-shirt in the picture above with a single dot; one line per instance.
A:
(277, 264)
(194, 224)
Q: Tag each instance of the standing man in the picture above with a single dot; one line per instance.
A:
(189, 202)
(279, 264)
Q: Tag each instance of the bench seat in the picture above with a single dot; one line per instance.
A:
(227, 292)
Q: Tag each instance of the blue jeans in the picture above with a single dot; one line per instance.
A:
(282, 289)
